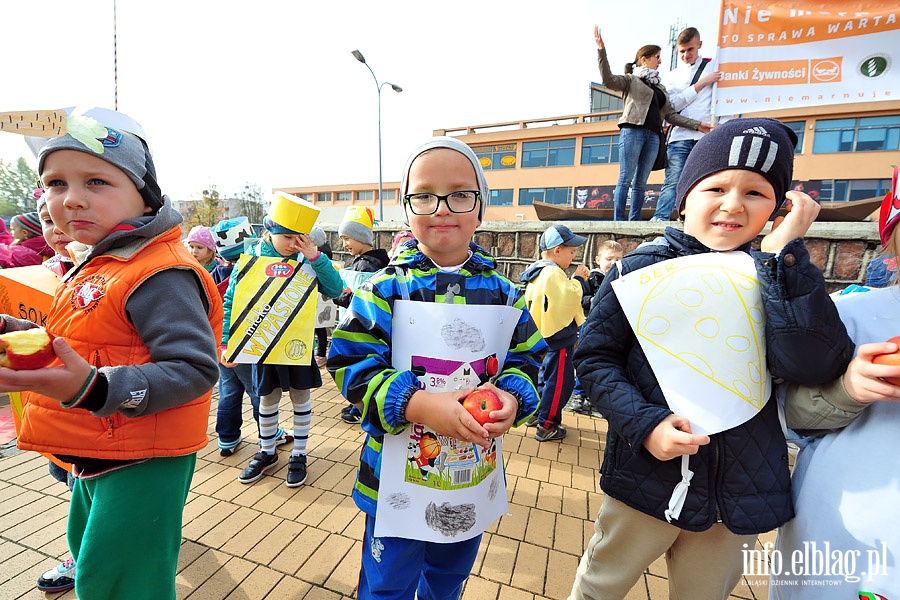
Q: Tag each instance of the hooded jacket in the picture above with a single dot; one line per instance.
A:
(360, 355)
(554, 302)
(147, 315)
(368, 262)
(741, 477)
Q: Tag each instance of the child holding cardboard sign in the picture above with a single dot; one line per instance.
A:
(271, 301)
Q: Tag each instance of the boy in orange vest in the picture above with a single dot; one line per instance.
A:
(127, 399)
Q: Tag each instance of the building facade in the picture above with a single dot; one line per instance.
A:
(845, 152)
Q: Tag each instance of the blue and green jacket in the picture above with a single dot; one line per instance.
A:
(360, 354)
(330, 283)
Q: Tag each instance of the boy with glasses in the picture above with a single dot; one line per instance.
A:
(442, 274)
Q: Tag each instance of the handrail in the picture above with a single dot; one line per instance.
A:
(576, 119)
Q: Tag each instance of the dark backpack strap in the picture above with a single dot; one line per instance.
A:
(702, 66)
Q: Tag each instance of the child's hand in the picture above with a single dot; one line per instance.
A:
(506, 416)
(582, 271)
(673, 438)
(307, 248)
(802, 212)
(223, 359)
(62, 382)
(864, 380)
(597, 37)
(443, 413)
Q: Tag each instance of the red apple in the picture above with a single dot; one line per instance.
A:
(480, 403)
(890, 359)
(25, 350)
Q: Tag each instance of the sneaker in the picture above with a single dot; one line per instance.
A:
(658, 219)
(60, 579)
(551, 434)
(296, 474)
(584, 406)
(283, 438)
(227, 449)
(259, 464)
(351, 415)
(532, 421)
(321, 361)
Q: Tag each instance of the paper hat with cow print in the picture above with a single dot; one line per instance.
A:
(230, 235)
(764, 146)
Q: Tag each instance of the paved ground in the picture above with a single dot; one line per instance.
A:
(265, 540)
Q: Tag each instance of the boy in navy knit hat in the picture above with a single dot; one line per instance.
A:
(738, 483)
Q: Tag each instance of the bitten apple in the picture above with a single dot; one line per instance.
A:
(480, 403)
(890, 359)
(25, 350)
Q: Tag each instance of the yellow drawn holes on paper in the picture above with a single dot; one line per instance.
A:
(711, 321)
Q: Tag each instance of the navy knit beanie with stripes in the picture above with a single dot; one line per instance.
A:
(764, 146)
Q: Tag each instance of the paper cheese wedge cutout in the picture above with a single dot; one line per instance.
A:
(39, 123)
(682, 316)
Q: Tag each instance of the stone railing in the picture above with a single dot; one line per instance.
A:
(841, 250)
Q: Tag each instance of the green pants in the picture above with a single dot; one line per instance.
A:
(124, 530)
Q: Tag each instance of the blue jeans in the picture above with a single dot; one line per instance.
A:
(232, 385)
(637, 153)
(676, 154)
(399, 569)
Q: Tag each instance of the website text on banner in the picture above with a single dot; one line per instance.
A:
(775, 55)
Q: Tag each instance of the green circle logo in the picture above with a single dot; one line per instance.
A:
(874, 66)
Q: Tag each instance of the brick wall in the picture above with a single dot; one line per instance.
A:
(841, 250)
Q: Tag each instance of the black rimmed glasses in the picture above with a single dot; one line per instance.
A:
(457, 202)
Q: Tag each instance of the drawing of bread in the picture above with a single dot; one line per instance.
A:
(710, 319)
(39, 123)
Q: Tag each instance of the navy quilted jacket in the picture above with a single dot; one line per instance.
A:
(741, 477)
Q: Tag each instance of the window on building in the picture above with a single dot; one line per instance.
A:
(365, 196)
(499, 156)
(344, 196)
(603, 101)
(799, 127)
(603, 149)
(307, 197)
(388, 194)
(845, 190)
(528, 196)
(857, 135)
(323, 197)
(501, 198)
(550, 153)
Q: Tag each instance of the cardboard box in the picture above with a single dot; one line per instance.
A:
(26, 293)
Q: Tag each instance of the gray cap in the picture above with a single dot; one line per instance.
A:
(451, 144)
(125, 150)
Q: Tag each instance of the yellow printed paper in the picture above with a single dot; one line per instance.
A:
(700, 321)
(273, 315)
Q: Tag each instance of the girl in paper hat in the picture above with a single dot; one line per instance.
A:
(285, 238)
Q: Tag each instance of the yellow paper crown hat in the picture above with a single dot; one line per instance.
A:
(290, 213)
(357, 224)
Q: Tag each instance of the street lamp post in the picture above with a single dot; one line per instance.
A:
(358, 56)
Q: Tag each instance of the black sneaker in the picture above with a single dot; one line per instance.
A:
(352, 415)
(532, 421)
(551, 434)
(296, 475)
(58, 580)
(259, 464)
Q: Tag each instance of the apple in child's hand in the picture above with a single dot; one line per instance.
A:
(26, 350)
(890, 359)
(480, 404)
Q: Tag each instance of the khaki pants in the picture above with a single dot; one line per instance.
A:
(702, 565)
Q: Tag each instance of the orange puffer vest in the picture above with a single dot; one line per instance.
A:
(89, 312)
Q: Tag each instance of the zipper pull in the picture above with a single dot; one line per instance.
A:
(109, 430)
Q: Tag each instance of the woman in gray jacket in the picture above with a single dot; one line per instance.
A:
(640, 127)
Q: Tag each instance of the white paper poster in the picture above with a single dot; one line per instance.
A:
(437, 488)
(701, 323)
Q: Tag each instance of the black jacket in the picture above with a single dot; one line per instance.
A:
(368, 262)
(741, 477)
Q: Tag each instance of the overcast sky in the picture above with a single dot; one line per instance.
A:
(267, 92)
